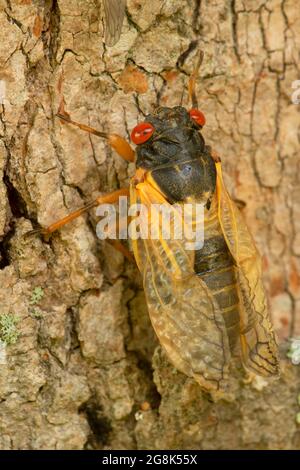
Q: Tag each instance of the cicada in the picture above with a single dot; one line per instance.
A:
(114, 11)
(208, 304)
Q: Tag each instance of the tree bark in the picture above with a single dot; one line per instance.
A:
(86, 370)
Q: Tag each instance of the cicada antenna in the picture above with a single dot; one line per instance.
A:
(137, 103)
(192, 81)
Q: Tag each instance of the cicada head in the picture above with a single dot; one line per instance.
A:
(170, 145)
(174, 137)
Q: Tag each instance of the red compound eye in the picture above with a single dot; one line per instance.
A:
(142, 132)
(197, 116)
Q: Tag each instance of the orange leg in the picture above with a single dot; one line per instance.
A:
(118, 143)
(122, 249)
(107, 198)
(118, 245)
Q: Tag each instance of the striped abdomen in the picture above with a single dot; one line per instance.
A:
(215, 265)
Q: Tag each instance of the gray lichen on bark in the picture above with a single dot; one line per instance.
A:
(87, 359)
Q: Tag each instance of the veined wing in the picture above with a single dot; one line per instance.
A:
(258, 342)
(183, 313)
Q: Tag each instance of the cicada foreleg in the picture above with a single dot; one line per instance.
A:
(118, 143)
(109, 198)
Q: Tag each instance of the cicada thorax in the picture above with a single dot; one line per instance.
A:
(215, 265)
(190, 178)
(177, 158)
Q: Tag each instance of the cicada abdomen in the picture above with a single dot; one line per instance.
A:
(216, 267)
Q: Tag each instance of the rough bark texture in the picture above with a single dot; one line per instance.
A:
(86, 360)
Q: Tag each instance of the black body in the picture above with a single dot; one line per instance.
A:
(182, 166)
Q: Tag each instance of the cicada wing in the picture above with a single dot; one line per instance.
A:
(258, 341)
(114, 11)
(184, 314)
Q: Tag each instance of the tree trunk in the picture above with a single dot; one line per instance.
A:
(81, 367)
